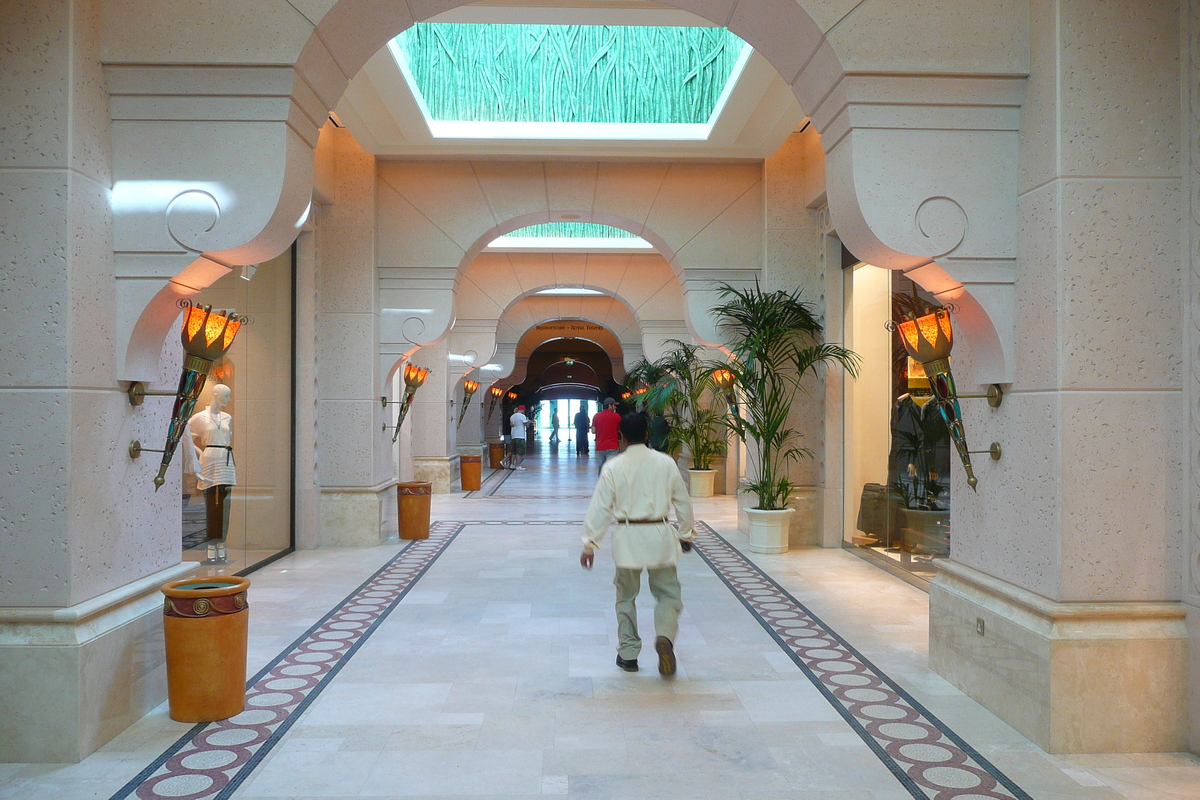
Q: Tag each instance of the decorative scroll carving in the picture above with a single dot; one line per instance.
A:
(181, 219)
(943, 223)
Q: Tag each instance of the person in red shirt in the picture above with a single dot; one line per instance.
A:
(606, 425)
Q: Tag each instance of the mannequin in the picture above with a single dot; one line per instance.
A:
(211, 432)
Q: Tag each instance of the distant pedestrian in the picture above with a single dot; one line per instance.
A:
(582, 423)
(554, 427)
(606, 425)
(517, 424)
(637, 488)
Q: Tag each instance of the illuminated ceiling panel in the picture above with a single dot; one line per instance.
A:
(569, 236)
(569, 81)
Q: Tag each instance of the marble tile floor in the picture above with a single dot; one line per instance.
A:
(493, 677)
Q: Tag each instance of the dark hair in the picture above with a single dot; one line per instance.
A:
(633, 428)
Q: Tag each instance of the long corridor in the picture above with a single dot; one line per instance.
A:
(479, 663)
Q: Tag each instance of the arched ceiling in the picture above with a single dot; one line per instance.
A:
(587, 317)
(386, 116)
(645, 284)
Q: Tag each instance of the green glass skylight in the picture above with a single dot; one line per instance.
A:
(570, 236)
(672, 81)
(572, 230)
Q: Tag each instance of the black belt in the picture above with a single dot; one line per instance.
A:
(227, 448)
(641, 521)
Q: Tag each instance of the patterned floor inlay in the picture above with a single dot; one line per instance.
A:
(212, 759)
(490, 484)
(931, 761)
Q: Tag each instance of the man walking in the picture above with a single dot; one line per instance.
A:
(516, 425)
(637, 489)
(606, 425)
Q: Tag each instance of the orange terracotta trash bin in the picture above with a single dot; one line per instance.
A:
(413, 498)
(205, 621)
(470, 470)
(495, 454)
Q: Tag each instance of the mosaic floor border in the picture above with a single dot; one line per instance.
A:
(929, 759)
(212, 760)
(926, 757)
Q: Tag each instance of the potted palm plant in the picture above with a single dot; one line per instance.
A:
(687, 397)
(774, 340)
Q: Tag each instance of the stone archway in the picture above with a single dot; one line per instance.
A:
(920, 143)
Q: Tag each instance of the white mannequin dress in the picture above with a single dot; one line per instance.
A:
(213, 437)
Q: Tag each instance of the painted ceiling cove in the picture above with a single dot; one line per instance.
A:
(725, 100)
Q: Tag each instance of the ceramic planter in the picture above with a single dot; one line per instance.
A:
(413, 498)
(700, 482)
(769, 529)
(205, 625)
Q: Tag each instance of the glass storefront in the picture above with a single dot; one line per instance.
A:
(237, 501)
(898, 449)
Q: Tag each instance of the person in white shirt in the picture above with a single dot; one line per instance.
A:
(517, 423)
(637, 488)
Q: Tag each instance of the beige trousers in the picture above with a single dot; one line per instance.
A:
(664, 585)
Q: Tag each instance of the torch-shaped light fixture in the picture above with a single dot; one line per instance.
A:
(928, 340)
(496, 392)
(512, 395)
(626, 395)
(206, 336)
(414, 376)
(469, 389)
(724, 379)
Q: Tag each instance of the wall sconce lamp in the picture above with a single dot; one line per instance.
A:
(928, 340)
(496, 392)
(512, 395)
(626, 395)
(724, 379)
(206, 335)
(414, 376)
(469, 389)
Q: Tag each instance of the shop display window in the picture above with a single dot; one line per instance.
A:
(237, 489)
(898, 448)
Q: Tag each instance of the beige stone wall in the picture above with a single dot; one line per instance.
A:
(1191, 550)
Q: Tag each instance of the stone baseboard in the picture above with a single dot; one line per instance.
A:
(440, 471)
(357, 517)
(1073, 677)
(73, 678)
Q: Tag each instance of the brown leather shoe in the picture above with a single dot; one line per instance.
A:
(666, 656)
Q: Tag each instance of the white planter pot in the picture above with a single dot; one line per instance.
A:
(700, 482)
(769, 529)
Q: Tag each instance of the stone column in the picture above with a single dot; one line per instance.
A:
(85, 541)
(792, 182)
(1060, 609)
(433, 437)
(354, 462)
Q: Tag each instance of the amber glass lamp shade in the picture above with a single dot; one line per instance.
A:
(496, 392)
(723, 379)
(469, 389)
(512, 395)
(928, 339)
(414, 376)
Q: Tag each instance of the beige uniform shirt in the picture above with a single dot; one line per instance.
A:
(639, 484)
